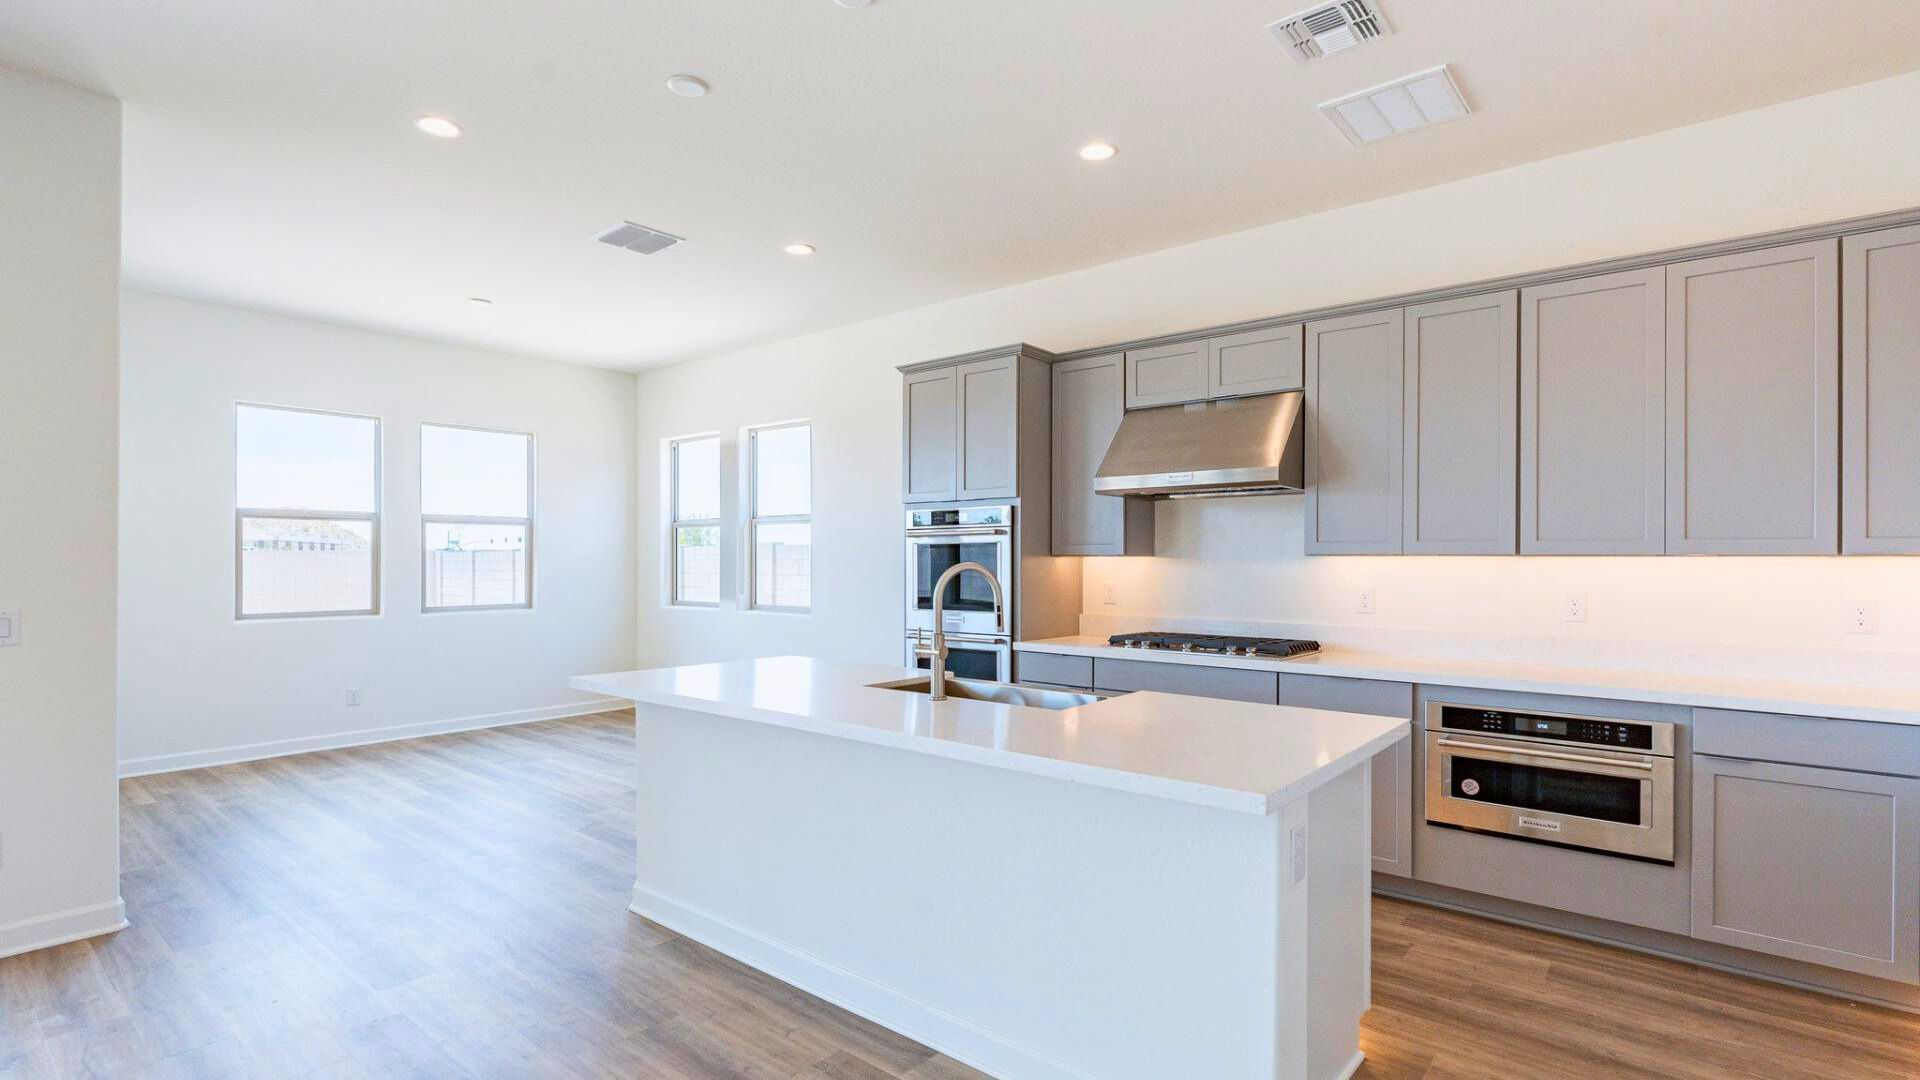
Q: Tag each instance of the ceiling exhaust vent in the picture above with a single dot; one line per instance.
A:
(1330, 28)
(1395, 108)
(638, 238)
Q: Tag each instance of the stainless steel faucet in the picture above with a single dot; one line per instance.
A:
(937, 652)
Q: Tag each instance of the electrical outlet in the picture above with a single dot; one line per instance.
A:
(353, 697)
(1574, 607)
(10, 626)
(1863, 619)
(1110, 595)
(1365, 602)
(1299, 854)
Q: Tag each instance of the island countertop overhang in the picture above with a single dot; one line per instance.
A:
(1229, 755)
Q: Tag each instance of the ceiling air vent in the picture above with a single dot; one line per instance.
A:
(638, 238)
(1395, 108)
(1328, 29)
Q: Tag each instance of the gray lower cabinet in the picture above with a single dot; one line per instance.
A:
(989, 399)
(1461, 419)
(1392, 770)
(1088, 402)
(1255, 362)
(1819, 865)
(1354, 436)
(1236, 684)
(1880, 355)
(932, 411)
(1166, 374)
(1055, 669)
(1593, 415)
(1753, 402)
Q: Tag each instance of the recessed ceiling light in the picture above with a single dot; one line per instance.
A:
(687, 85)
(479, 301)
(438, 126)
(1097, 151)
(798, 249)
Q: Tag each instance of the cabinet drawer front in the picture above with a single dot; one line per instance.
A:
(1808, 740)
(1054, 668)
(1375, 697)
(1255, 362)
(1167, 374)
(1234, 683)
(1816, 865)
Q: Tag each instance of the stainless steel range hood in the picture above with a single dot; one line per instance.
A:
(1238, 446)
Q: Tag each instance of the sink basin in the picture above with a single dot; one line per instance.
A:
(1004, 693)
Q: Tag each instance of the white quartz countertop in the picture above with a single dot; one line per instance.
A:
(1881, 705)
(1226, 754)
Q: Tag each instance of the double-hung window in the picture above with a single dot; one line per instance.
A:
(476, 518)
(306, 513)
(780, 516)
(695, 525)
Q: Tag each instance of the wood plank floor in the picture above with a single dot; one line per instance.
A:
(455, 907)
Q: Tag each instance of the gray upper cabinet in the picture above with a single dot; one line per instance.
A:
(1593, 415)
(1255, 362)
(1819, 865)
(932, 413)
(1166, 374)
(1088, 402)
(1461, 384)
(1753, 402)
(1354, 367)
(988, 391)
(1881, 359)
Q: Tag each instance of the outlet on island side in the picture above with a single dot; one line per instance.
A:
(353, 696)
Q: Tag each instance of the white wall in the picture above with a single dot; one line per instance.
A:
(1817, 159)
(197, 686)
(59, 340)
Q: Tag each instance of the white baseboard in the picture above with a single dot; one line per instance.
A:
(1352, 1066)
(200, 759)
(45, 931)
(962, 1040)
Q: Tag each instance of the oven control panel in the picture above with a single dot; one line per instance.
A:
(963, 517)
(1625, 734)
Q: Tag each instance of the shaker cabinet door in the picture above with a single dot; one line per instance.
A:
(1254, 362)
(1753, 402)
(1461, 439)
(1593, 415)
(1880, 352)
(932, 411)
(1820, 865)
(1087, 409)
(1353, 435)
(989, 393)
(1167, 374)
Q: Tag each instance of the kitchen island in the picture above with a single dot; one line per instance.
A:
(1146, 886)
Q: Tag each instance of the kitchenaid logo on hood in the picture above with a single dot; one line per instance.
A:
(1179, 477)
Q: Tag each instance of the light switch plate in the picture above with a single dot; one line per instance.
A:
(9, 626)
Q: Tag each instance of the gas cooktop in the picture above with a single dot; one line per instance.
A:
(1222, 644)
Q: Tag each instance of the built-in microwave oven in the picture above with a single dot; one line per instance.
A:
(938, 539)
(1598, 783)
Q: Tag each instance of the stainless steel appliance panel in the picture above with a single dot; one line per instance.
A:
(941, 538)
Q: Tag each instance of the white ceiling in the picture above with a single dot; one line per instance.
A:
(926, 146)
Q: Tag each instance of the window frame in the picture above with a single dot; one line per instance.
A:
(754, 520)
(374, 518)
(675, 522)
(426, 519)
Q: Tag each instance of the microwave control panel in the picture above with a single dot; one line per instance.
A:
(1624, 734)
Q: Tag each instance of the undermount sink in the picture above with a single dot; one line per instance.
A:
(1003, 693)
